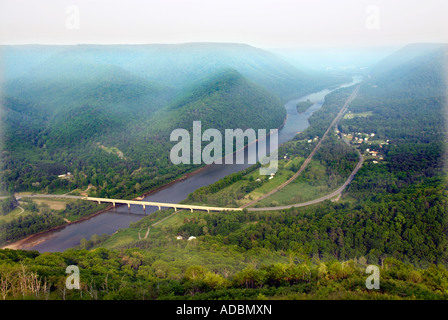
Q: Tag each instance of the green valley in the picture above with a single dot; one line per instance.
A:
(113, 138)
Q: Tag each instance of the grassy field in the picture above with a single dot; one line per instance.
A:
(166, 220)
(235, 195)
(361, 114)
(318, 179)
(283, 174)
(312, 184)
(160, 229)
(162, 243)
(54, 203)
(21, 211)
(17, 212)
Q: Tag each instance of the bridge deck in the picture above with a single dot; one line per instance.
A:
(161, 204)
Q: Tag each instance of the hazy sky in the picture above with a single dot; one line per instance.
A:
(262, 23)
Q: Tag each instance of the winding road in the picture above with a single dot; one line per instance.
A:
(321, 199)
(305, 164)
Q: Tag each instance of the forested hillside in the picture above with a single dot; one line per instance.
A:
(53, 143)
(407, 107)
(224, 100)
(136, 274)
(396, 206)
(393, 214)
(181, 66)
(66, 107)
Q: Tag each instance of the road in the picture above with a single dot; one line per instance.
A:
(321, 199)
(310, 157)
(48, 196)
(304, 165)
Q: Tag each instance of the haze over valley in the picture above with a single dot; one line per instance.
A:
(359, 137)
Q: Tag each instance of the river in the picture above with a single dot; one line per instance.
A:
(120, 217)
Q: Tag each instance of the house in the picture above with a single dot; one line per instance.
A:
(191, 238)
(179, 238)
(65, 176)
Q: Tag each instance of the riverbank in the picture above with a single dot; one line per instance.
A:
(174, 191)
(37, 238)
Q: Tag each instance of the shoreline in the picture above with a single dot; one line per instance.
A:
(27, 242)
(24, 243)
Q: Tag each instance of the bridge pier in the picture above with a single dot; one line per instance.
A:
(159, 205)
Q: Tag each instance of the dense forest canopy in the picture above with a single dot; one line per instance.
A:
(393, 214)
(64, 105)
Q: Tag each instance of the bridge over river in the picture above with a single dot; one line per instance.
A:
(176, 206)
(192, 207)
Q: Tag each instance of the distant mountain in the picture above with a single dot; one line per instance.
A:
(176, 65)
(407, 102)
(404, 55)
(59, 88)
(335, 59)
(414, 71)
(65, 109)
(17, 61)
